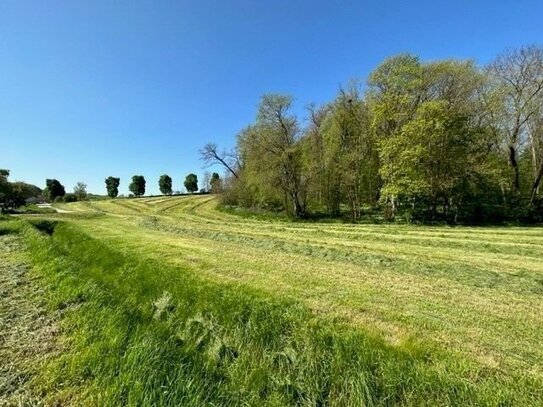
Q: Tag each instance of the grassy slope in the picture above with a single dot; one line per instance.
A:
(27, 331)
(459, 308)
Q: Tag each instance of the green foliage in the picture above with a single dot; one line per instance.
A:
(350, 154)
(23, 191)
(4, 184)
(5, 190)
(435, 141)
(272, 158)
(53, 190)
(215, 183)
(191, 183)
(165, 184)
(396, 88)
(16, 194)
(70, 198)
(80, 191)
(430, 157)
(137, 186)
(112, 186)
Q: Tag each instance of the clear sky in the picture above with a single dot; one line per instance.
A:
(96, 88)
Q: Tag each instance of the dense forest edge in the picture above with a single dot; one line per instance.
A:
(441, 141)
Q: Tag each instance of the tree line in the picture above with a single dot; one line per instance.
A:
(137, 185)
(17, 194)
(444, 140)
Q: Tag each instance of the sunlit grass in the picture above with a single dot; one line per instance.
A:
(449, 316)
(457, 286)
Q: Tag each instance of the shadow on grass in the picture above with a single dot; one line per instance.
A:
(45, 226)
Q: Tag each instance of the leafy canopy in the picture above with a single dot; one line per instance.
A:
(191, 183)
(137, 186)
(165, 184)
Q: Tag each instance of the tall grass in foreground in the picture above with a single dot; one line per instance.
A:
(137, 332)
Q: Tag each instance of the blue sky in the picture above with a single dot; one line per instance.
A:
(95, 88)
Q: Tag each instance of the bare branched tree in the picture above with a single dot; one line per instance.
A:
(210, 155)
(518, 79)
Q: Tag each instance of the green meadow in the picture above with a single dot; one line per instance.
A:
(172, 301)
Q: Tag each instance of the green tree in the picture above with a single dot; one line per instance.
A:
(80, 191)
(272, 156)
(396, 88)
(433, 161)
(313, 151)
(215, 183)
(191, 183)
(4, 174)
(112, 186)
(137, 186)
(427, 119)
(165, 184)
(70, 197)
(53, 189)
(350, 155)
(23, 192)
(5, 189)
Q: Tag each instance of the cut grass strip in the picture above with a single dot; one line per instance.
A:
(142, 332)
(27, 331)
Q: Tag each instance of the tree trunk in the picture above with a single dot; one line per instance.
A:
(504, 195)
(535, 185)
(514, 164)
(299, 210)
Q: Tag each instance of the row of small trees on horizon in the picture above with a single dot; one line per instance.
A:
(165, 184)
(54, 189)
(16, 194)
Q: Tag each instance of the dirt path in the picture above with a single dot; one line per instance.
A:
(27, 333)
(61, 210)
(49, 206)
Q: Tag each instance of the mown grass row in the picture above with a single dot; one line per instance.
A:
(330, 252)
(140, 332)
(454, 287)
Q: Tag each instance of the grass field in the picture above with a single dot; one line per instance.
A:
(169, 301)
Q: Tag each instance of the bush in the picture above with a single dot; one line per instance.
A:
(69, 198)
(33, 209)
